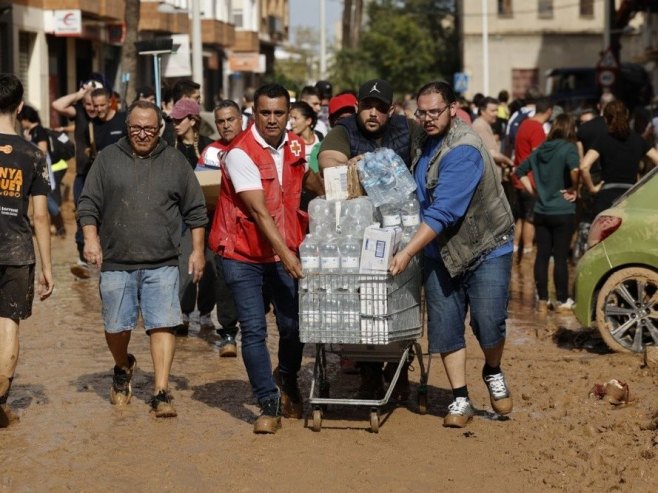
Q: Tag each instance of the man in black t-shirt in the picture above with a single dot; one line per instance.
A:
(23, 173)
(108, 126)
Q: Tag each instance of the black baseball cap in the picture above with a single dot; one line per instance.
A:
(325, 89)
(376, 89)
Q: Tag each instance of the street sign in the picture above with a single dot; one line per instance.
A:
(460, 82)
(608, 61)
(606, 78)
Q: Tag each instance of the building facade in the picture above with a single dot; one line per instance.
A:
(528, 38)
(54, 45)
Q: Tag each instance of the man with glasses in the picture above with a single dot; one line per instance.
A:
(134, 199)
(466, 239)
(374, 125)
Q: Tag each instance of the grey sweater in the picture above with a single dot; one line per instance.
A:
(139, 205)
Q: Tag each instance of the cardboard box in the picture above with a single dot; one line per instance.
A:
(379, 246)
(335, 183)
(209, 179)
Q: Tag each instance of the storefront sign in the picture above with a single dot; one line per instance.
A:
(67, 22)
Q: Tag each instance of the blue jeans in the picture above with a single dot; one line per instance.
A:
(485, 290)
(247, 282)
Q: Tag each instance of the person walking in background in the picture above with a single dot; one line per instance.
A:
(483, 127)
(257, 230)
(79, 108)
(461, 198)
(554, 166)
(311, 96)
(186, 121)
(619, 152)
(24, 172)
(229, 126)
(530, 135)
(35, 133)
(135, 198)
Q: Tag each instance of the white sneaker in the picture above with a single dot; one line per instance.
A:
(460, 412)
(567, 306)
(499, 394)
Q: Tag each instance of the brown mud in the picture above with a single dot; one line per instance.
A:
(557, 438)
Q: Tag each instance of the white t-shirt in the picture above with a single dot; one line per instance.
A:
(241, 168)
(321, 127)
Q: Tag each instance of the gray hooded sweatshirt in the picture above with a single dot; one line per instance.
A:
(139, 205)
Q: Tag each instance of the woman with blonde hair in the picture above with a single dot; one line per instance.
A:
(554, 166)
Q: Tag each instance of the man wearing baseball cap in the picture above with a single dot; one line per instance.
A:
(341, 106)
(374, 125)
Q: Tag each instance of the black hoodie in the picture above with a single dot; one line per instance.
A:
(139, 205)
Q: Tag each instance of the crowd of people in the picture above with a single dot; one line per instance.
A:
(495, 179)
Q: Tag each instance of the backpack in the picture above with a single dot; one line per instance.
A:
(512, 129)
(61, 147)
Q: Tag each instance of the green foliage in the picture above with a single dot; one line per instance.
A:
(407, 42)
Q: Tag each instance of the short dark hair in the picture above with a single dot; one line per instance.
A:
(306, 111)
(144, 105)
(184, 88)
(30, 114)
(486, 101)
(309, 91)
(272, 91)
(101, 91)
(503, 96)
(11, 93)
(440, 87)
(543, 104)
(226, 103)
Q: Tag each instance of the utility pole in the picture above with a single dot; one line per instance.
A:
(485, 47)
(323, 40)
(197, 47)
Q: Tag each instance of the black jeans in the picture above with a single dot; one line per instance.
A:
(553, 237)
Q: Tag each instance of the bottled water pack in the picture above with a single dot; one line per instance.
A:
(385, 177)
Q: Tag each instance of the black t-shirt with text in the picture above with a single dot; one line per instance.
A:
(23, 172)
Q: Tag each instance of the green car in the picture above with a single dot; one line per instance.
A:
(616, 282)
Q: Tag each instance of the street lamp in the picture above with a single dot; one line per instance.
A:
(197, 48)
(156, 48)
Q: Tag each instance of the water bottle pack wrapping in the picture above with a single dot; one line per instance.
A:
(385, 177)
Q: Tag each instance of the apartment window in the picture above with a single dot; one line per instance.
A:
(505, 8)
(237, 18)
(545, 9)
(587, 8)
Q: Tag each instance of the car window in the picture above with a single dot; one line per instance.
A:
(651, 175)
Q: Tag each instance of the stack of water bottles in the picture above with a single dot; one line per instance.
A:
(385, 177)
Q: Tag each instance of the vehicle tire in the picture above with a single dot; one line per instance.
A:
(627, 310)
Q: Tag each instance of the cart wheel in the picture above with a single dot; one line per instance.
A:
(374, 421)
(422, 403)
(317, 419)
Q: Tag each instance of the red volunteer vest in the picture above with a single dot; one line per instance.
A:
(234, 234)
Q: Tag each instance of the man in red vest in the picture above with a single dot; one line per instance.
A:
(257, 230)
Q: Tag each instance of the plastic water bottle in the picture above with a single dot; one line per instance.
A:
(322, 218)
(329, 262)
(309, 254)
(350, 253)
(410, 212)
(352, 317)
(331, 315)
(390, 215)
(310, 309)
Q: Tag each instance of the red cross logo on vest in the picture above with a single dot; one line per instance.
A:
(295, 148)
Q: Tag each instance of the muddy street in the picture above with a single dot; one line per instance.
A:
(558, 438)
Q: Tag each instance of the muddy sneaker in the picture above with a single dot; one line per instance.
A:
(269, 420)
(499, 394)
(292, 405)
(206, 323)
(121, 390)
(161, 405)
(228, 348)
(460, 412)
(7, 416)
(81, 270)
(565, 307)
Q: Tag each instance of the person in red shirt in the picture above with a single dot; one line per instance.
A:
(531, 134)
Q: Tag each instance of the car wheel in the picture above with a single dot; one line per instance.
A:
(627, 310)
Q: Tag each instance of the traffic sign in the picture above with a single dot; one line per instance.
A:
(608, 61)
(606, 78)
(460, 82)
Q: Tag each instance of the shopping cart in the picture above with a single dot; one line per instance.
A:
(362, 317)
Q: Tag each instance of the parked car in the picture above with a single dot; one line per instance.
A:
(616, 282)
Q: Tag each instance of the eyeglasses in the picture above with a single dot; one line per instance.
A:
(136, 130)
(433, 114)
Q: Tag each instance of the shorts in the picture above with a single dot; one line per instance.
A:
(154, 292)
(484, 290)
(524, 205)
(16, 291)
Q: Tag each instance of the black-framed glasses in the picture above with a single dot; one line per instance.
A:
(136, 130)
(433, 113)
